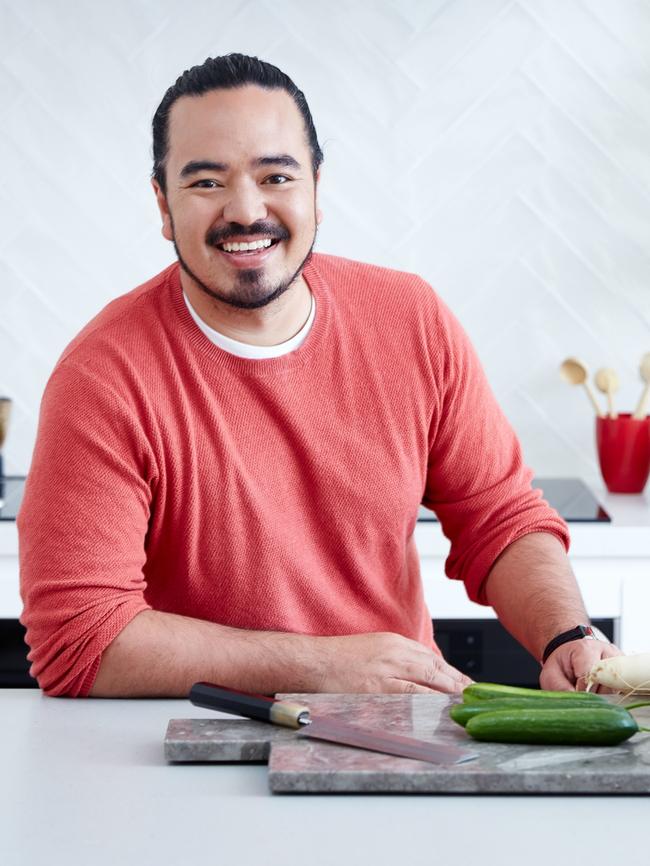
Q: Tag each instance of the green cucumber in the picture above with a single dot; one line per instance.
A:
(462, 713)
(573, 726)
(490, 691)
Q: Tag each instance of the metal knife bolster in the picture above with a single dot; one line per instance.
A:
(266, 709)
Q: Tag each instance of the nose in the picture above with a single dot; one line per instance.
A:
(245, 204)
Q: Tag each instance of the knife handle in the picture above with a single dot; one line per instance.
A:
(213, 697)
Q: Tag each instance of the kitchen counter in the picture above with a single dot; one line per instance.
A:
(85, 782)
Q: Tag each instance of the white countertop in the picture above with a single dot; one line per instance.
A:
(84, 783)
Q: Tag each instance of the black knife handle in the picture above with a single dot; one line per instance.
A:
(213, 697)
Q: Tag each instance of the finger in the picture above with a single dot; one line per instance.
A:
(437, 673)
(440, 680)
(553, 678)
(407, 687)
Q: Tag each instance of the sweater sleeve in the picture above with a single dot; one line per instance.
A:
(82, 526)
(477, 482)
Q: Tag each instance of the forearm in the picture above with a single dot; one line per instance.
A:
(534, 592)
(163, 654)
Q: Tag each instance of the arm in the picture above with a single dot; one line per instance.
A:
(88, 622)
(533, 590)
(507, 545)
(477, 481)
(161, 655)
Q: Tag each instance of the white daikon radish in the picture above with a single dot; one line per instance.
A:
(629, 674)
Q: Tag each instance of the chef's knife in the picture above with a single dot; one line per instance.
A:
(291, 715)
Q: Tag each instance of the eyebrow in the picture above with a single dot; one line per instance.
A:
(197, 165)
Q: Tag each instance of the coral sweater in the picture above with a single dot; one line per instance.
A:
(277, 494)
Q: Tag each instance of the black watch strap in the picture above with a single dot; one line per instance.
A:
(576, 633)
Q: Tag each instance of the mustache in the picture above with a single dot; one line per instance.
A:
(233, 230)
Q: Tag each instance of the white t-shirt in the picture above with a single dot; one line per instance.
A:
(246, 350)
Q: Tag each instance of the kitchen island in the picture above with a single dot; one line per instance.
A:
(86, 782)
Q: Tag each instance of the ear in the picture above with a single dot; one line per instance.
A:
(319, 212)
(161, 199)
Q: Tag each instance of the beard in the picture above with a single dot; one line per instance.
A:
(251, 290)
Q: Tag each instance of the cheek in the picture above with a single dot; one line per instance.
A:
(196, 216)
(300, 215)
(190, 230)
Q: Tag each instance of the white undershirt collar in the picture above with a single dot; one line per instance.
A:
(246, 350)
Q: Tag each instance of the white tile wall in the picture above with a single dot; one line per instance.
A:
(501, 148)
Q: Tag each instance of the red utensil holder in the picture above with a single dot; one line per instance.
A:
(624, 452)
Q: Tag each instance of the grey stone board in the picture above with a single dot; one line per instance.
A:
(298, 765)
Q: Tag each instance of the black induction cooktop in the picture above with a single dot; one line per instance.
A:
(569, 496)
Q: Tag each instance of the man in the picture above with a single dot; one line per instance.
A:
(230, 458)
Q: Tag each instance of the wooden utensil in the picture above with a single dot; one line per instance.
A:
(575, 372)
(607, 382)
(644, 370)
(5, 411)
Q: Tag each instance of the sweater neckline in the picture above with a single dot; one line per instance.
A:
(300, 357)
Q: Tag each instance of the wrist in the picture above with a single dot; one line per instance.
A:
(578, 632)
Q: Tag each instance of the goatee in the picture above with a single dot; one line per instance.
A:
(251, 294)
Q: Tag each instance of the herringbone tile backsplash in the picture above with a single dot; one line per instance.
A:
(500, 148)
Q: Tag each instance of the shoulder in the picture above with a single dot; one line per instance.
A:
(337, 269)
(121, 322)
(379, 291)
(392, 302)
(113, 354)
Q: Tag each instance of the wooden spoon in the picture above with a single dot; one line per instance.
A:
(5, 410)
(575, 372)
(644, 369)
(607, 382)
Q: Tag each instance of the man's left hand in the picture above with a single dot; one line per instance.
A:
(567, 666)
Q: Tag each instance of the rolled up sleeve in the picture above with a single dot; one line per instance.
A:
(477, 482)
(82, 527)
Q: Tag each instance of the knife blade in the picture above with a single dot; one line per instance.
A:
(292, 715)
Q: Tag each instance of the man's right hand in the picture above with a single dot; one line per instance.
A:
(385, 662)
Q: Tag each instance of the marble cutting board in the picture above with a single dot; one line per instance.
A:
(298, 765)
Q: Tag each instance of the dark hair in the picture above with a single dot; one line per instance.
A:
(226, 73)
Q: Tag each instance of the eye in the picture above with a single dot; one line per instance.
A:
(277, 179)
(205, 183)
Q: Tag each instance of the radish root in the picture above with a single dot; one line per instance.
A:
(627, 674)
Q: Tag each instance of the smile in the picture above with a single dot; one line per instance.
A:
(248, 254)
(243, 247)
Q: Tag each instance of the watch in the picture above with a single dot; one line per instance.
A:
(576, 633)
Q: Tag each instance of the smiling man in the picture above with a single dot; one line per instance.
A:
(238, 448)
(243, 225)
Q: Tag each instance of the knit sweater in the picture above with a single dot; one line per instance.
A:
(270, 494)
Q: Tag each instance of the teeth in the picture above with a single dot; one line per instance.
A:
(255, 245)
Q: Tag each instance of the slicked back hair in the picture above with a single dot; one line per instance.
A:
(226, 73)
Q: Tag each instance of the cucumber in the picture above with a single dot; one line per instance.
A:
(462, 713)
(490, 691)
(573, 726)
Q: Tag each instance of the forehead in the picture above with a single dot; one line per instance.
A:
(226, 123)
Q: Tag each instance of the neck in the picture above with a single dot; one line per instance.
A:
(267, 326)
